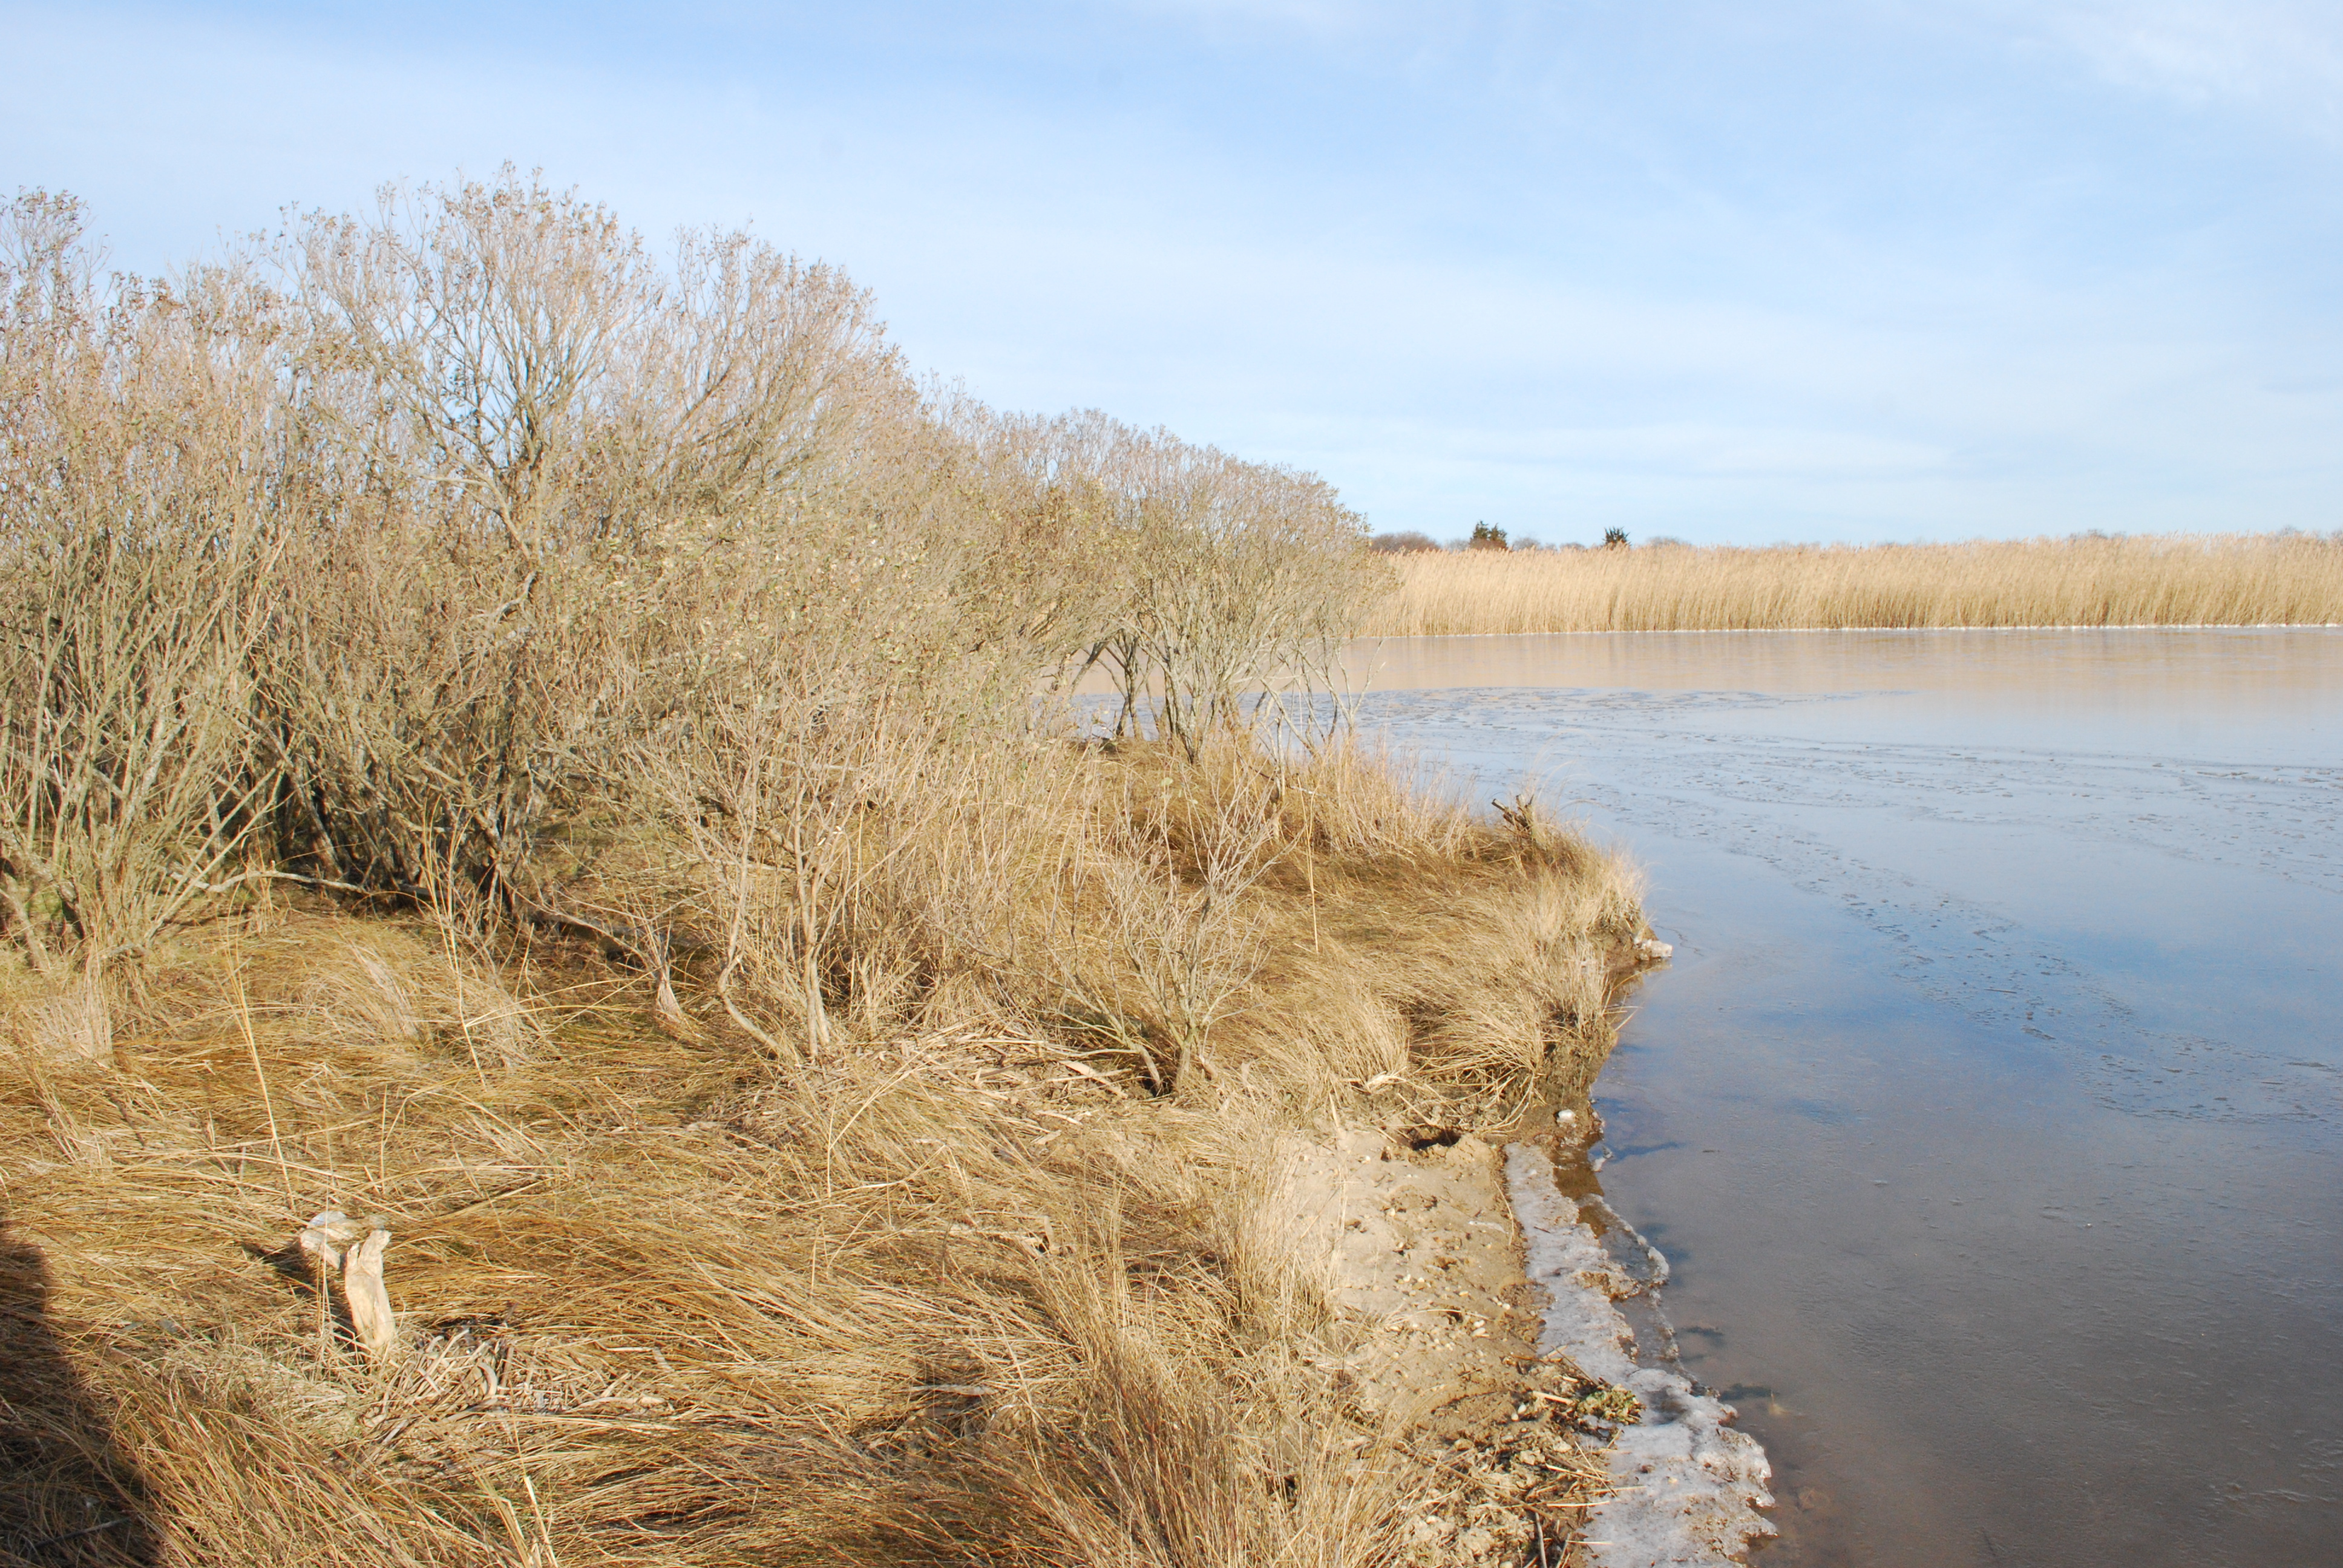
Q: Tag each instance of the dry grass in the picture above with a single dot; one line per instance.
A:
(962, 1287)
(2238, 580)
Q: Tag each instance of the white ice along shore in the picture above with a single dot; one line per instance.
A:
(1689, 1486)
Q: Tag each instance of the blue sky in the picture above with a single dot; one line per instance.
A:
(1803, 269)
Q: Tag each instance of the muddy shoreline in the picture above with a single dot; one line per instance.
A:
(1485, 1282)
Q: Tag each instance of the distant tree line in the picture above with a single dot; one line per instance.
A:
(1485, 537)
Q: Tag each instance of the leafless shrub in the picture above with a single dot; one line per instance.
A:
(1243, 575)
(1046, 501)
(135, 557)
(558, 473)
(1209, 581)
(768, 803)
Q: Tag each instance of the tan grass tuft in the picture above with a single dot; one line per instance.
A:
(65, 1022)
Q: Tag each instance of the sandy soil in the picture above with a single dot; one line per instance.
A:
(1424, 1262)
(1524, 1394)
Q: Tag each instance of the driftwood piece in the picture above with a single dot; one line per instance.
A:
(370, 1303)
(324, 1237)
(337, 1245)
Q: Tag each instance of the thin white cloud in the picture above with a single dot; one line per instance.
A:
(1322, 17)
(2283, 57)
(1826, 376)
(1811, 454)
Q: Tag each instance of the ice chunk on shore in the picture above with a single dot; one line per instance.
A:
(1690, 1485)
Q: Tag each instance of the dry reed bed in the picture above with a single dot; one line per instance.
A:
(2214, 581)
(981, 1278)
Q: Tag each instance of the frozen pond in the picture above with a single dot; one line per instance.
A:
(1991, 1113)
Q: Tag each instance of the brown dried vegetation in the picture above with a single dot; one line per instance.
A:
(2094, 581)
(536, 747)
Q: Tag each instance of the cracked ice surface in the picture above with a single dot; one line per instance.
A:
(1690, 1485)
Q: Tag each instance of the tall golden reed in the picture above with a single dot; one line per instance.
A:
(2225, 580)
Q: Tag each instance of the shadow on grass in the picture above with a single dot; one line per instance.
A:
(70, 1497)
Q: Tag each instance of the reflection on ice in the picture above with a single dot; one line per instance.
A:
(1991, 1110)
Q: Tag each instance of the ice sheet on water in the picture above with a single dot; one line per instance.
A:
(1689, 1484)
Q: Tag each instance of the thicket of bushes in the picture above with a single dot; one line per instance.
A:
(413, 553)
